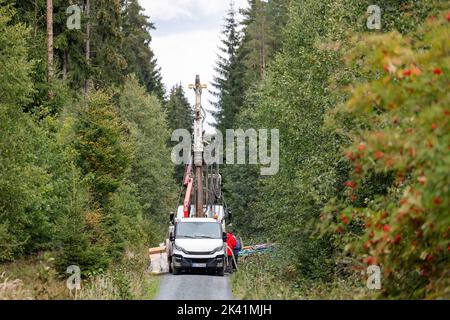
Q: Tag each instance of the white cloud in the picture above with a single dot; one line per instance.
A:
(183, 55)
(166, 10)
(186, 51)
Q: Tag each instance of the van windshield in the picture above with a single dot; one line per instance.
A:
(198, 230)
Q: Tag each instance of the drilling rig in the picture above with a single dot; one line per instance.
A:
(196, 237)
(202, 182)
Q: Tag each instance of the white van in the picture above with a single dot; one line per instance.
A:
(196, 244)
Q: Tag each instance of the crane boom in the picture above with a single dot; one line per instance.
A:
(198, 146)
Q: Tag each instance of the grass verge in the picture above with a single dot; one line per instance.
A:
(36, 278)
(258, 278)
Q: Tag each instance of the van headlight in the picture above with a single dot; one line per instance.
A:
(180, 248)
(217, 249)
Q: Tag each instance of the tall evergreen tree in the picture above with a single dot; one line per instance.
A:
(228, 80)
(262, 27)
(251, 53)
(136, 48)
(178, 109)
(108, 63)
(180, 116)
(119, 45)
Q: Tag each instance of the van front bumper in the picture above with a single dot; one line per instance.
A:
(198, 263)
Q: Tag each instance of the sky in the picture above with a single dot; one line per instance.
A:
(186, 41)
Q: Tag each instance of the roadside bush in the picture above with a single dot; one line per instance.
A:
(151, 168)
(123, 220)
(104, 146)
(401, 130)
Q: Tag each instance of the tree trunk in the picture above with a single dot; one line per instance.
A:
(35, 18)
(88, 52)
(64, 67)
(263, 42)
(50, 44)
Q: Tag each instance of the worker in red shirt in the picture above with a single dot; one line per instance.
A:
(231, 244)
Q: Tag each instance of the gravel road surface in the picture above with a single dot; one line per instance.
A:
(194, 287)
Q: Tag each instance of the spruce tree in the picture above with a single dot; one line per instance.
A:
(136, 48)
(180, 116)
(179, 111)
(263, 24)
(108, 63)
(228, 80)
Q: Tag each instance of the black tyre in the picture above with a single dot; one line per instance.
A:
(220, 272)
(173, 269)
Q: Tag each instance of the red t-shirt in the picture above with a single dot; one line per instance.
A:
(231, 242)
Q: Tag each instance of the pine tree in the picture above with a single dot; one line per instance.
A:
(69, 48)
(19, 179)
(108, 63)
(263, 24)
(136, 49)
(180, 116)
(228, 80)
(178, 109)
(244, 56)
(34, 14)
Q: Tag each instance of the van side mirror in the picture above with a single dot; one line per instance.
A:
(224, 237)
(172, 237)
(229, 215)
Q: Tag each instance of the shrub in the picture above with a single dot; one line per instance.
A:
(402, 131)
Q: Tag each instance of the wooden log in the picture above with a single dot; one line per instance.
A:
(156, 250)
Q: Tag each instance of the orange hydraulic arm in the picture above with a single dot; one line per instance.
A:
(188, 182)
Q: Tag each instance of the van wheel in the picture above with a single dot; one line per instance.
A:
(175, 271)
(220, 272)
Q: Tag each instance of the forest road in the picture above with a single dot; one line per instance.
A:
(194, 286)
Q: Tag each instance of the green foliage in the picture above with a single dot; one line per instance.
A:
(152, 170)
(90, 181)
(87, 181)
(119, 41)
(289, 203)
(403, 131)
(124, 221)
(81, 247)
(108, 64)
(261, 277)
(139, 55)
(304, 83)
(37, 177)
(180, 116)
(103, 145)
(15, 84)
(179, 111)
(23, 220)
(263, 24)
(238, 72)
(228, 82)
(127, 280)
(245, 56)
(123, 154)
